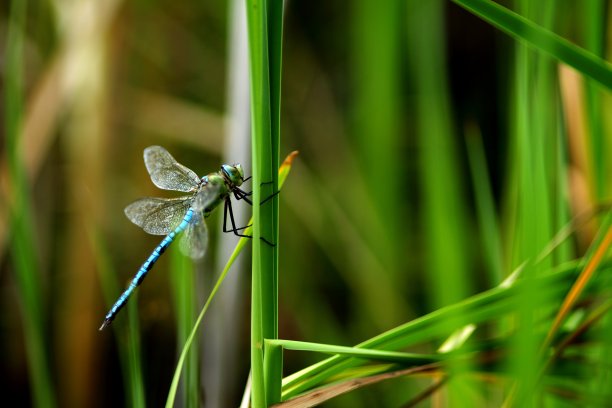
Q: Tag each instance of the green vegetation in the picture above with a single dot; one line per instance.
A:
(443, 236)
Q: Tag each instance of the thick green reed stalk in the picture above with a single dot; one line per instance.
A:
(264, 20)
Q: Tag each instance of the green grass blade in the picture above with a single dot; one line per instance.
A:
(542, 39)
(535, 140)
(566, 251)
(128, 340)
(22, 230)
(131, 347)
(273, 365)
(489, 305)
(187, 346)
(265, 37)
(487, 219)
(184, 289)
(592, 261)
(261, 133)
(364, 353)
(444, 217)
(444, 207)
(376, 50)
(273, 371)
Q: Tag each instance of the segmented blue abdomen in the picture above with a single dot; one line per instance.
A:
(146, 267)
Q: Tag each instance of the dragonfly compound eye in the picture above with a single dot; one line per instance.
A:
(233, 173)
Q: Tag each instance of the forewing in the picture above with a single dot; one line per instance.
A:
(158, 216)
(195, 238)
(166, 173)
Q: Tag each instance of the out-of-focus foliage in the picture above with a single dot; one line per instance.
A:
(382, 220)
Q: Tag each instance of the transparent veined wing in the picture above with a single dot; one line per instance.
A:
(195, 238)
(166, 173)
(208, 194)
(158, 216)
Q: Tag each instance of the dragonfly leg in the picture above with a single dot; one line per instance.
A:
(242, 195)
(242, 192)
(269, 197)
(228, 209)
(250, 177)
(225, 229)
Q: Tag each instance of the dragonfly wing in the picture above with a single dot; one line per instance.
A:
(206, 196)
(158, 216)
(195, 239)
(166, 173)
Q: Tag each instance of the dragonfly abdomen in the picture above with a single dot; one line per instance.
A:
(145, 268)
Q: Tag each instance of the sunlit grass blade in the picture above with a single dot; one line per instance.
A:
(542, 39)
(283, 172)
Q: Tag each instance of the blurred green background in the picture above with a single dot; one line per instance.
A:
(403, 112)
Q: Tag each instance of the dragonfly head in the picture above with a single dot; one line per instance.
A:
(233, 173)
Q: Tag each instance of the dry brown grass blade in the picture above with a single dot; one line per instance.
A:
(42, 112)
(591, 320)
(321, 395)
(428, 392)
(580, 179)
(579, 286)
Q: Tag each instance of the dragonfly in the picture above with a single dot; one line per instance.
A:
(186, 214)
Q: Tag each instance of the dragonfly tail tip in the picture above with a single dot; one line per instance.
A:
(105, 324)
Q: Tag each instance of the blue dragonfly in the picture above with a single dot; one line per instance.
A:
(172, 216)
